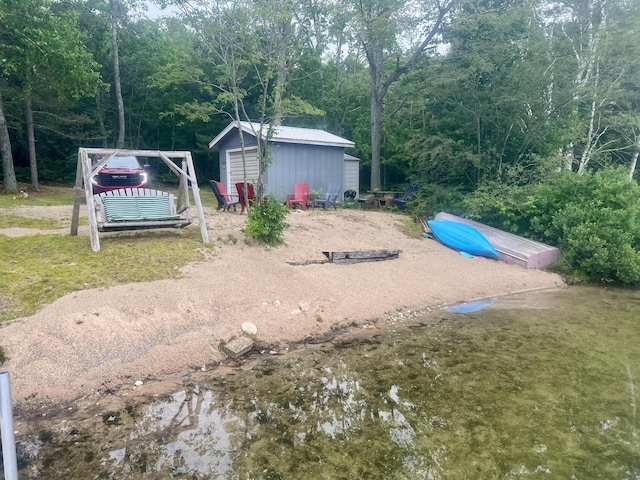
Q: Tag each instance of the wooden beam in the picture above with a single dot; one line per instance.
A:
(362, 256)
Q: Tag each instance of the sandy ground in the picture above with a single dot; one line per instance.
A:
(94, 341)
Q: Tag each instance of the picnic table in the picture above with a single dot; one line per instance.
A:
(380, 196)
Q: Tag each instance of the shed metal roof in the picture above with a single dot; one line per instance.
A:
(306, 136)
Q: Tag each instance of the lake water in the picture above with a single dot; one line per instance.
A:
(543, 385)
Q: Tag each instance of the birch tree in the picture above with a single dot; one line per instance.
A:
(250, 47)
(598, 77)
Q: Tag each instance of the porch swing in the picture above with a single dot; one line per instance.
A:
(135, 208)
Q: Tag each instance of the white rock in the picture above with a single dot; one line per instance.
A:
(249, 328)
(138, 383)
(303, 306)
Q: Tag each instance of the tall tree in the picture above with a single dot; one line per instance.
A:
(116, 72)
(42, 47)
(379, 26)
(10, 184)
(250, 49)
(600, 36)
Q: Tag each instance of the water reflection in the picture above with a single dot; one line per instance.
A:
(505, 392)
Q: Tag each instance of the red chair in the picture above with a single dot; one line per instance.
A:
(251, 196)
(300, 196)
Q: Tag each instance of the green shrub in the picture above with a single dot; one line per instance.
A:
(508, 208)
(3, 357)
(266, 222)
(596, 225)
(594, 219)
(433, 198)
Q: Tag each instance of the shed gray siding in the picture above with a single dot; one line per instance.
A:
(317, 165)
(292, 163)
(298, 155)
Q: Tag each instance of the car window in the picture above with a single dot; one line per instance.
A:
(123, 162)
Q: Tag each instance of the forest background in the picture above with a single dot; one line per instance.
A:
(522, 113)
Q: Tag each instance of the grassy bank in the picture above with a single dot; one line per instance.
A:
(36, 270)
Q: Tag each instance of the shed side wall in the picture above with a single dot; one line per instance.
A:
(317, 165)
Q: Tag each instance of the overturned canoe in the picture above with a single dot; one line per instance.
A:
(512, 248)
(362, 256)
(462, 238)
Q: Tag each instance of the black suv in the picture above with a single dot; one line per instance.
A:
(119, 172)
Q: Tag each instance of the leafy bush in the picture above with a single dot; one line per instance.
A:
(509, 208)
(432, 198)
(266, 222)
(596, 224)
(3, 357)
(594, 219)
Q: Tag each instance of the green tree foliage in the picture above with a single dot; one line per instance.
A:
(594, 219)
(379, 27)
(481, 111)
(43, 56)
(593, 84)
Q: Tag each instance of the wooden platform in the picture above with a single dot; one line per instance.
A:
(362, 256)
(511, 248)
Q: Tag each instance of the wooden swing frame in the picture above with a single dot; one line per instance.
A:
(85, 171)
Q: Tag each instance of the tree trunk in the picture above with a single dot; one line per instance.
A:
(31, 140)
(116, 73)
(374, 47)
(587, 58)
(100, 115)
(376, 137)
(10, 182)
(634, 161)
(281, 79)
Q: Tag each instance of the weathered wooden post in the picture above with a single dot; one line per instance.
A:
(6, 429)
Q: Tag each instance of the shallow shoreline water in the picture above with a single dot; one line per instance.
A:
(533, 385)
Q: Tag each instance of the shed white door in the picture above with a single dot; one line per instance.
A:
(234, 167)
(352, 176)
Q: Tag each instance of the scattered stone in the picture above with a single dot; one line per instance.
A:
(297, 311)
(238, 347)
(277, 303)
(303, 306)
(249, 328)
(138, 383)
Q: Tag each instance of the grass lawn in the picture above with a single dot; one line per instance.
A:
(36, 270)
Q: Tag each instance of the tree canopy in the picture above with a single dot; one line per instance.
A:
(454, 95)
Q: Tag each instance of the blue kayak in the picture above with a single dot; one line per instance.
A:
(462, 238)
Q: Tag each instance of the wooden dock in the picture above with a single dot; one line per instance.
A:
(511, 248)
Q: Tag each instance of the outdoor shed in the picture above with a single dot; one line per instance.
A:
(298, 155)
